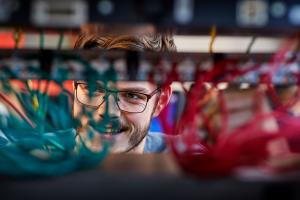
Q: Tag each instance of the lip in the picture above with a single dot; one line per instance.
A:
(114, 132)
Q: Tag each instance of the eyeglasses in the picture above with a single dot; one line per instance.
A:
(128, 101)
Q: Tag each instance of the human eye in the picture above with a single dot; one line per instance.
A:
(94, 91)
(134, 96)
(97, 91)
(100, 89)
(83, 86)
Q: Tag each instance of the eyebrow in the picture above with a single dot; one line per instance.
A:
(135, 89)
(85, 82)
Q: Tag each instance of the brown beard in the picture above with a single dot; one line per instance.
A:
(135, 134)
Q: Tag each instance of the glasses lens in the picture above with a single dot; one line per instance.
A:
(132, 101)
(88, 96)
(127, 101)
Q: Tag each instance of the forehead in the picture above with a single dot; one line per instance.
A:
(139, 85)
(135, 84)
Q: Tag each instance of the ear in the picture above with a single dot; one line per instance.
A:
(164, 98)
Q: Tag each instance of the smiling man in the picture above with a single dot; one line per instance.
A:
(131, 104)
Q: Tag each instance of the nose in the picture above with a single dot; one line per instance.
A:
(110, 106)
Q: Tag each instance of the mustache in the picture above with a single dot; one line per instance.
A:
(118, 124)
(134, 133)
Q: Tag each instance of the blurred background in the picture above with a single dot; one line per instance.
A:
(252, 48)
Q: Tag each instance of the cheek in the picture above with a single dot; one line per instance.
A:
(138, 119)
(97, 113)
(151, 106)
(76, 108)
(77, 113)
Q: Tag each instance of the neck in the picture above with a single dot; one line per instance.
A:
(140, 148)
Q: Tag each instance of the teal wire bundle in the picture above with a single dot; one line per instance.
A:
(49, 148)
(45, 141)
(42, 140)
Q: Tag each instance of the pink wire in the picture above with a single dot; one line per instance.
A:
(18, 111)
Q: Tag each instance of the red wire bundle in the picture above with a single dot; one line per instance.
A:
(251, 144)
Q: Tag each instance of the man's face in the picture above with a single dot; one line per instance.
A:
(133, 124)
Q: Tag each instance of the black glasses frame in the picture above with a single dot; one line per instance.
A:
(114, 92)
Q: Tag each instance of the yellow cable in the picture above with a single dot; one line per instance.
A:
(30, 84)
(213, 35)
(35, 102)
(17, 37)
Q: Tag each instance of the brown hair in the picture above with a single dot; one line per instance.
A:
(141, 38)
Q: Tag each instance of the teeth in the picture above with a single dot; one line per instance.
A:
(111, 131)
